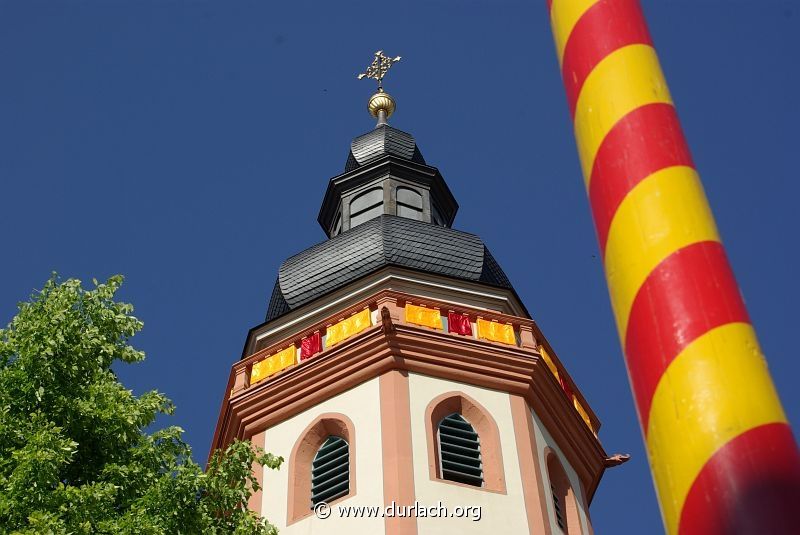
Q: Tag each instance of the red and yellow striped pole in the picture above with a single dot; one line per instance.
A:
(722, 454)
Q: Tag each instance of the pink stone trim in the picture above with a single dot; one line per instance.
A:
(396, 449)
(254, 504)
(530, 470)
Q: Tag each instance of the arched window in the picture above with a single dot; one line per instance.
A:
(365, 206)
(330, 471)
(322, 465)
(409, 203)
(459, 451)
(463, 443)
(565, 508)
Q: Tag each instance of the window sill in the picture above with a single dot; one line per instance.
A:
(467, 486)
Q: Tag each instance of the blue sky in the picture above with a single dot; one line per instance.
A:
(187, 145)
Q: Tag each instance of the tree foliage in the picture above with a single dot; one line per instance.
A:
(75, 456)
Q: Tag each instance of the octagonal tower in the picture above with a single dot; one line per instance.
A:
(397, 366)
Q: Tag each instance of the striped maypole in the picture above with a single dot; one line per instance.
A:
(721, 451)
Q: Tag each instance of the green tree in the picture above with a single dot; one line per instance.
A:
(75, 456)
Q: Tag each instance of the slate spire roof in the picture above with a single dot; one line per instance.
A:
(382, 141)
(420, 239)
(384, 241)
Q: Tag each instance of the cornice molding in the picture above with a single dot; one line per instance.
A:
(365, 289)
(510, 369)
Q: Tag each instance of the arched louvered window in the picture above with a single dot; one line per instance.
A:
(330, 471)
(460, 451)
(565, 508)
(557, 508)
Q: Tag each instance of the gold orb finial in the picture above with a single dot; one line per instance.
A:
(381, 105)
(381, 102)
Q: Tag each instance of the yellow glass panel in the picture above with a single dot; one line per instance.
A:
(260, 371)
(583, 413)
(347, 328)
(272, 365)
(497, 332)
(549, 361)
(423, 316)
(286, 358)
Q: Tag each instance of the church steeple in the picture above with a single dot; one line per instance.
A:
(396, 357)
(385, 173)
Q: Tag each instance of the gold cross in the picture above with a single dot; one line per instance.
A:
(379, 67)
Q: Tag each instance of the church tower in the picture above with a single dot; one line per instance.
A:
(400, 375)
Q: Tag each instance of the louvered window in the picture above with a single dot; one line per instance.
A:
(460, 451)
(557, 508)
(330, 471)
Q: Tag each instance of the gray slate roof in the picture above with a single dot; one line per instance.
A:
(379, 142)
(380, 242)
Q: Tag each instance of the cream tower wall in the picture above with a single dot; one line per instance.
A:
(500, 513)
(360, 404)
(503, 512)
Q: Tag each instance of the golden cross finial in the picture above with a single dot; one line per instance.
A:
(379, 67)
